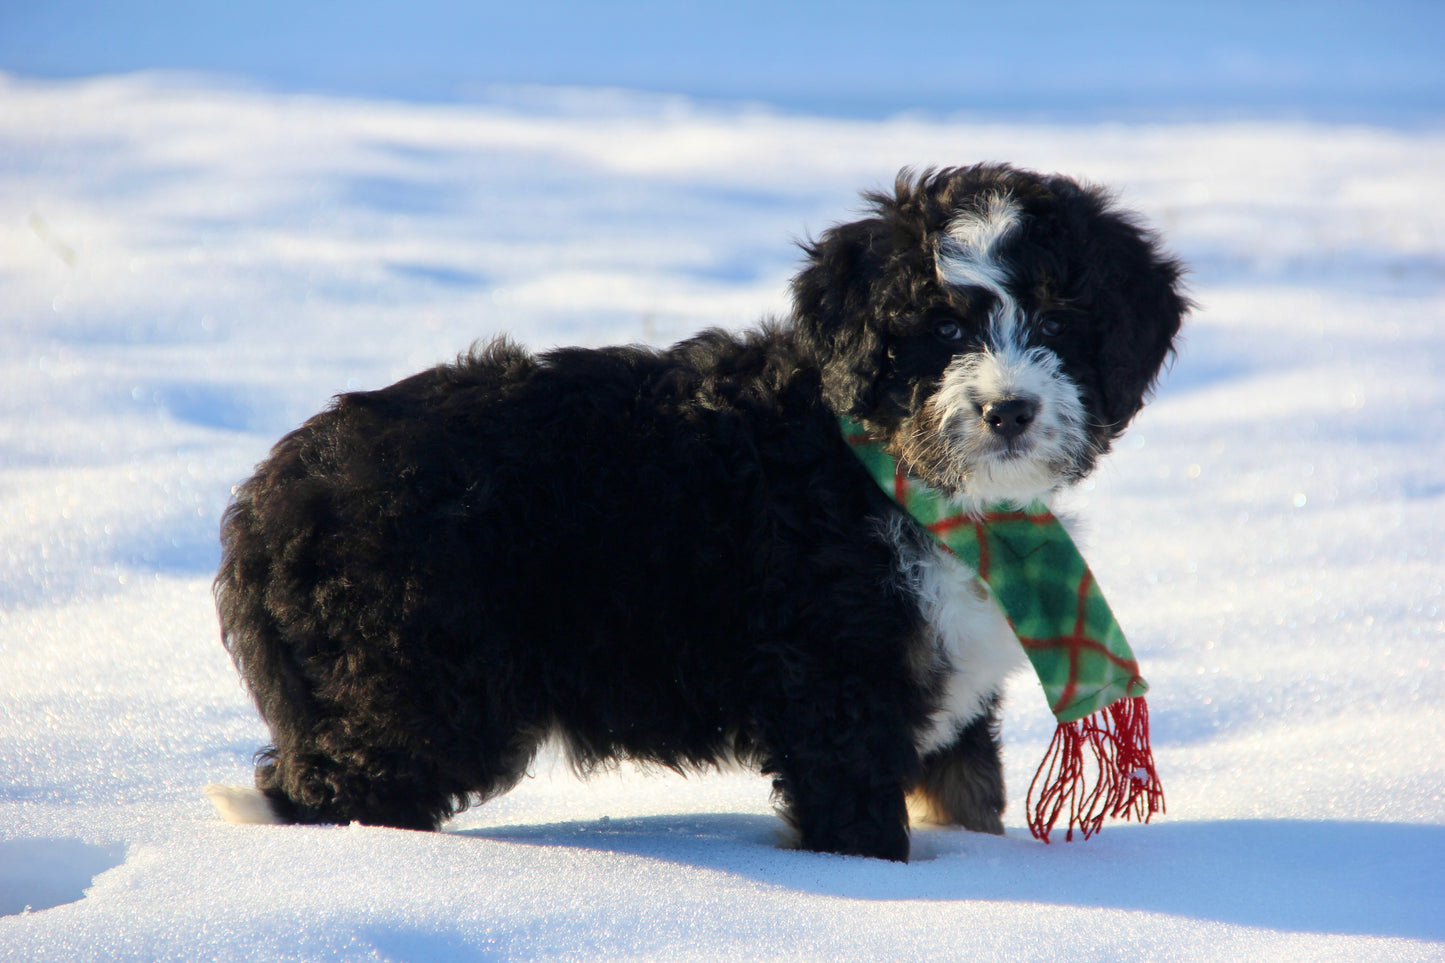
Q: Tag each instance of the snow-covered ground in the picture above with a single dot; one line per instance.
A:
(187, 270)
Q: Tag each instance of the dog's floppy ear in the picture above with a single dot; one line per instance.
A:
(832, 310)
(1147, 311)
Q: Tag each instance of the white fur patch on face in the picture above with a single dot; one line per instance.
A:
(970, 640)
(972, 238)
(969, 256)
(1031, 465)
(985, 466)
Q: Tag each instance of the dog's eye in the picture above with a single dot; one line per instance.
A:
(1051, 327)
(948, 331)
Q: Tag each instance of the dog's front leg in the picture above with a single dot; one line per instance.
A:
(842, 784)
(962, 782)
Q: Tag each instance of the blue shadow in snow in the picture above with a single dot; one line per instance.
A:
(1354, 878)
(36, 874)
(735, 271)
(395, 195)
(438, 274)
(184, 549)
(419, 944)
(1206, 358)
(214, 405)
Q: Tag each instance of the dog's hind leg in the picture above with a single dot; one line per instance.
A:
(962, 782)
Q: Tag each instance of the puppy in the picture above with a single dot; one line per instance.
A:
(673, 556)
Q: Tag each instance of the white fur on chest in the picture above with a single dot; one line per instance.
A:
(969, 640)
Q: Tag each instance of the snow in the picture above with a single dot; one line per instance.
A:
(189, 269)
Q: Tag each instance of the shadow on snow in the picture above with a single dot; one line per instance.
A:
(1379, 879)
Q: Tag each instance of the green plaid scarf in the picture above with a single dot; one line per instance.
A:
(1055, 607)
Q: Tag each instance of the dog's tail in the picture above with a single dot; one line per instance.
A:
(238, 804)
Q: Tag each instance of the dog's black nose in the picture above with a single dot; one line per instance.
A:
(1011, 417)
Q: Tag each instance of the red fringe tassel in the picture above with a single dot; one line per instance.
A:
(1112, 746)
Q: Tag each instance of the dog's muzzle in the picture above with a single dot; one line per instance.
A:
(1010, 426)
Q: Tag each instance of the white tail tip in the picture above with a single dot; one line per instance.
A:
(237, 804)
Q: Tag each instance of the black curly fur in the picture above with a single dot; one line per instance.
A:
(669, 556)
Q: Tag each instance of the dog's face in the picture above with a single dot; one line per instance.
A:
(998, 328)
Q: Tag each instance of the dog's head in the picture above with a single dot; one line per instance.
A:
(997, 328)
